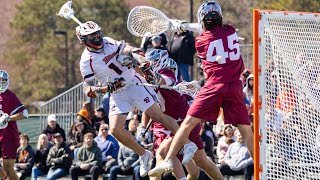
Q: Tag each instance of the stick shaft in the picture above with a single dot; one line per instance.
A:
(76, 19)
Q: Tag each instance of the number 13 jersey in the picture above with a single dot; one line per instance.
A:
(219, 52)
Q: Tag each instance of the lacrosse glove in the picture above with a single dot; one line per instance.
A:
(4, 119)
(117, 84)
(147, 71)
(177, 25)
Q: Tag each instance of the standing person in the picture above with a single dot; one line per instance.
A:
(11, 110)
(182, 50)
(218, 49)
(100, 60)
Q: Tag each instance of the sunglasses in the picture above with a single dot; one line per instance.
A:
(106, 129)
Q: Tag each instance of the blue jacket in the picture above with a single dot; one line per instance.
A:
(109, 147)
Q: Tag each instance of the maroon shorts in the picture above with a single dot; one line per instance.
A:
(8, 149)
(159, 136)
(212, 96)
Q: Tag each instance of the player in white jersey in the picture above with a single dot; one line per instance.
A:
(100, 60)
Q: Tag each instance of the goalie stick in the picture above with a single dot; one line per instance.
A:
(146, 21)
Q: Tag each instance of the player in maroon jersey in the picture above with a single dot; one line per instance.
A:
(11, 110)
(218, 48)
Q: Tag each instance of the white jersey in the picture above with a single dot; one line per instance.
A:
(103, 65)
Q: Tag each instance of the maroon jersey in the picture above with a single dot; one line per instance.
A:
(175, 104)
(10, 104)
(219, 52)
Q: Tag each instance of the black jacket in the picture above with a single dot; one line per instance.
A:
(182, 48)
(59, 157)
(50, 132)
(40, 158)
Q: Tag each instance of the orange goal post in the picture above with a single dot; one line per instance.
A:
(286, 54)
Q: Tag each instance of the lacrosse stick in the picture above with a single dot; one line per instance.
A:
(145, 21)
(67, 12)
(189, 88)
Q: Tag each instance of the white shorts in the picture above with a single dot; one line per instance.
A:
(132, 96)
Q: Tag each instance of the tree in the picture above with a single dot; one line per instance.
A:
(36, 55)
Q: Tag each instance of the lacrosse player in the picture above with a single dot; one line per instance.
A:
(11, 110)
(103, 60)
(175, 105)
(218, 48)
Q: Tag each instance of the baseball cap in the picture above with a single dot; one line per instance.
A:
(156, 38)
(52, 117)
(57, 135)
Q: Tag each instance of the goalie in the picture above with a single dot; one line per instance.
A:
(11, 110)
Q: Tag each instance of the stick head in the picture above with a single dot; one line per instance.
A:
(145, 21)
(66, 11)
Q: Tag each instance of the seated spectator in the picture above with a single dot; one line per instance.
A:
(207, 137)
(25, 158)
(224, 142)
(89, 159)
(128, 160)
(83, 116)
(59, 158)
(100, 118)
(109, 147)
(75, 135)
(40, 165)
(52, 128)
(237, 160)
(88, 106)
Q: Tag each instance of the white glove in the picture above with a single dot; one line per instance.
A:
(140, 131)
(177, 25)
(4, 121)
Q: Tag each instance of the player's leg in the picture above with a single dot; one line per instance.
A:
(193, 170)
(201, 160)
(116, 126)
(179, 139)
(8, 166)
(155, 113)
(3, 174)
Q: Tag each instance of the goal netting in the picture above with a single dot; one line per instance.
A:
(289, 92)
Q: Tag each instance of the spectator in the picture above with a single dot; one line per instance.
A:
(89, 159)
(237, 160)
(109, 147)
(207, 137)
(25, 158)
(83, 116)
(128, 160)
(244, 76)
(100, 118)
(52, 128)
(59, 158)
(40, 165)
(182, 49)
(148, 45)
(248, 89)
(105, 105)
(224, 142)
(88, 106)
(75, 135)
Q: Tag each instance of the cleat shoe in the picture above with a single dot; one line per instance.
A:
(145, 163)
(188, 152)
(164, 166)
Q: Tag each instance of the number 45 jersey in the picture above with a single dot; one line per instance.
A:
(103, 64)
(219, 52)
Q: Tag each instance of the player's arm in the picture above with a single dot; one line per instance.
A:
(92, 91)
(20, 116)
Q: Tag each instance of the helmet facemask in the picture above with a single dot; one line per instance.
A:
(4, 81)
(94, 40)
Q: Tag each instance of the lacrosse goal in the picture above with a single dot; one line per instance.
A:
(287, 94)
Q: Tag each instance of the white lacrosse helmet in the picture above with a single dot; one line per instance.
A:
(155, 55)
(89, 33)
(4, 81)
(209, 8)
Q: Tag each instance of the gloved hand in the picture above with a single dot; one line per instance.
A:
(113, 86)
(177, 25)
(140, 133)
(4, 120)
(147, 71)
